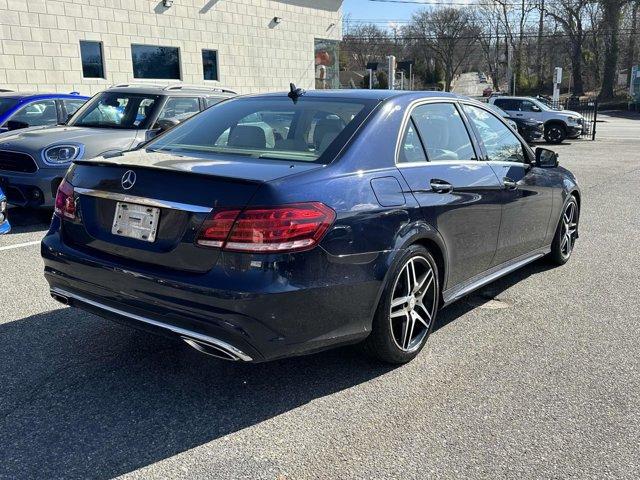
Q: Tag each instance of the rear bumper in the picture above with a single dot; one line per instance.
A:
(264, 317)
(31, 189)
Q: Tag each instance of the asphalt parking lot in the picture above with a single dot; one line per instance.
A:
(536, 376)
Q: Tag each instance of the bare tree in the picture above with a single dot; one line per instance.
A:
(633, 33)
(363, 44)
(611, 15)
(449, 33)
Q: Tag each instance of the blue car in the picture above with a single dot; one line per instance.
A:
(4, 222)
(282, 224)
(22, 110)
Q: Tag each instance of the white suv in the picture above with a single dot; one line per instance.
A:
(558, 124)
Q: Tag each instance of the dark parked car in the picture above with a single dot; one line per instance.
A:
(275, 225)
(530, 129)
(34, 160)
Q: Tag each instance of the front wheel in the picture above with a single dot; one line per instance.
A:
(566, 233)
(407, 310)
(555, 133)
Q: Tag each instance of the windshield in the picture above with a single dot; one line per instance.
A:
(542, 105)
(6, 104)
(270, 127)
(116, 110)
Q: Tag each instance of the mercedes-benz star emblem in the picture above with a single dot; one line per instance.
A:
(128, 179)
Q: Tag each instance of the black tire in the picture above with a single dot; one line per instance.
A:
(381, 343)
(555, 133)
(564, 238)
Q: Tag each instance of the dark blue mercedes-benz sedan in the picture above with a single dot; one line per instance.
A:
(282, 224)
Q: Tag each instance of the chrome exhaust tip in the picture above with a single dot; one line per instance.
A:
(217, 351)
(60, 298)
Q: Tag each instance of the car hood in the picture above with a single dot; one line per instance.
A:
(230, 166)
(569, 113)
(37, 138)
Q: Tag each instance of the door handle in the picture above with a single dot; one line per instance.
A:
(509, 184)
(440, 186)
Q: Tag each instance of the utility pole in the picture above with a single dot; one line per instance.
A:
(539, 52)
(392, 71)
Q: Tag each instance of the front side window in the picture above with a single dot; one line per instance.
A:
(116, 110)
(179, 108)
(443, 132)
(42, 112)
(150, 61)
(210, 64)
(505, 104)
(92, 61)
(211, 101)
(499, 142)
(274, 128)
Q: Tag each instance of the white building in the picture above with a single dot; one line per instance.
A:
(244, 45)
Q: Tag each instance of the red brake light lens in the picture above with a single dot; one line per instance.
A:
(284, 228)
(65, 206)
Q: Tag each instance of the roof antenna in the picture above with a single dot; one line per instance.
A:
(295, 93)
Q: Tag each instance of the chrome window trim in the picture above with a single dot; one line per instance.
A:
(150, 202)
(405, 120)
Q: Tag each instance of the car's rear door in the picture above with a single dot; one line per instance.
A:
(527, 194)
(458, 195)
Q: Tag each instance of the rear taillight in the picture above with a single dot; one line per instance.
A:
(65, 201)
(284, 228)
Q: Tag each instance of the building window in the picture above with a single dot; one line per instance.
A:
(150, 61)
(92, 60)
(210, 64)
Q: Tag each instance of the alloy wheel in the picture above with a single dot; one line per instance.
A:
(413, 303)
(569, 229)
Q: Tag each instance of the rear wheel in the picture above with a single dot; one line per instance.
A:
(566, 233)
(555, 133)
(407, 310)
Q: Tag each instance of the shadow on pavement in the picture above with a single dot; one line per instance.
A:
(83, 397)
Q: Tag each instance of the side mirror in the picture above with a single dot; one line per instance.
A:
(16, 125)
(165, 124)
(546, 158)
(535, 108)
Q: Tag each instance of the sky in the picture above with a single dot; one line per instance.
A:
(380, 11)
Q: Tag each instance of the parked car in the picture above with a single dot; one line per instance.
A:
(33, 161)
(252, 237)
(4, 221)
(22, 110)
(530, 130)
(558, 124)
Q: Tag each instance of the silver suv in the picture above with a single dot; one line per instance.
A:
(33, 161)
(558, 124)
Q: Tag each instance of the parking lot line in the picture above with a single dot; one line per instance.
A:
(19, 245)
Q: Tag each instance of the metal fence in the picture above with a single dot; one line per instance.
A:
(588, 108)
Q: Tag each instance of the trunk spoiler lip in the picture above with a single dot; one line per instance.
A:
(149, 202)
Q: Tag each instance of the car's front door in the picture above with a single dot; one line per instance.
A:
(458, 194)
(527, 195)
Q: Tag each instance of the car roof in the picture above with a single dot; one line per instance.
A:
(511, 97)
(171, 89)
(365, 94)
(40, 95)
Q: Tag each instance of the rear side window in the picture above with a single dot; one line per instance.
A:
(411, 150)
(211, 101)
(71, 106)
(499, 142)
(443, 132)
(505, 104)
(275, 128)
(180, 108)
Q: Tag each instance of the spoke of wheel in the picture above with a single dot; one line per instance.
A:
(405, 331)
(414, 280)
(425, 290)
(411, 320)
(564, 242)
(396, 302)
(399, 313)
(420, 283)
(408, 268)
(417, 316)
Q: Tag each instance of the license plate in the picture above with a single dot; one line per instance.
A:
(136, 221)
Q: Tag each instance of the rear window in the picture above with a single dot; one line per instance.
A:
(310, 130)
